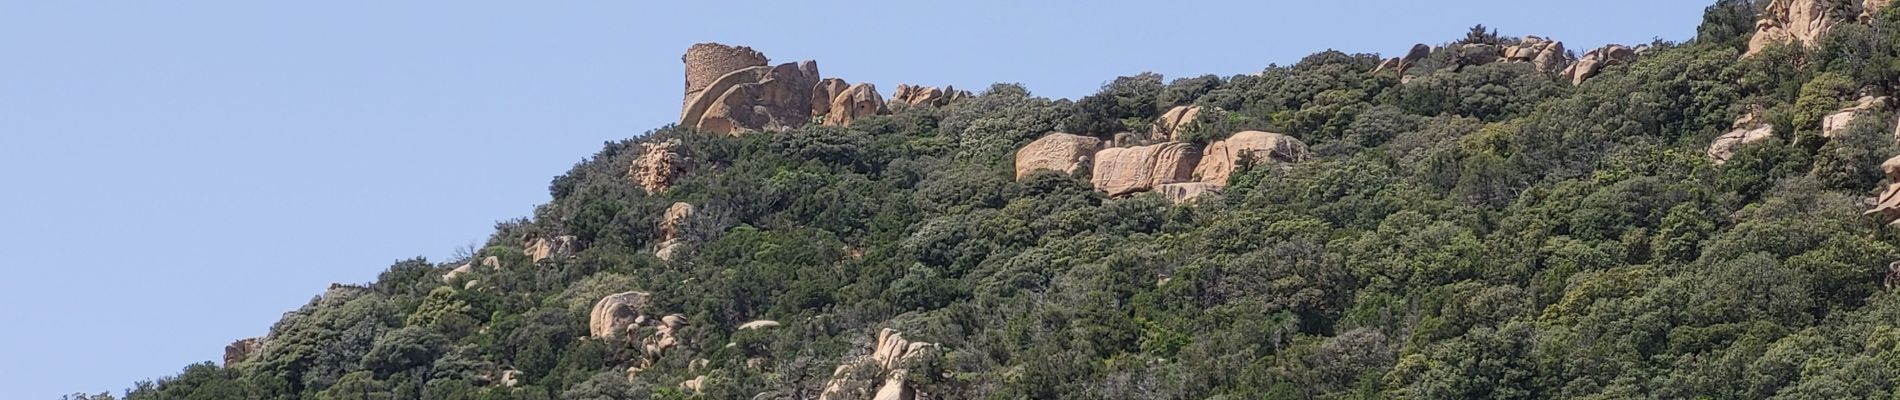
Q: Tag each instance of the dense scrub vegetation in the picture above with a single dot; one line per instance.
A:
(1483, 232)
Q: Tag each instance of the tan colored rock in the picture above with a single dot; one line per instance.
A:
(1790, 21)
(1833, 124)
(706, 62)
(1893, 276)
(541, 249)
(695, 385)
(1127, 170)
(858, 101)
(759, 324)
(673, 223)
(1418, 53)
(822, 93)
(510, 378)
(491, 262)
(1887, 206)
(756, 99)
(658, 165)
(464, 269)
(715, 94)
(885, 361)
(241, 350)
(1870, 9)
(896, 387)
(670, 249)
(1175, 122)
(1548, 56)
(924, 95)
(1188, 191)
(612, 315)
(1222, 158)
(1748, 129)
(1595, 61)
(1387, 64)
(1057, 152)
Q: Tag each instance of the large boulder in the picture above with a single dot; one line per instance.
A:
(756, 99)
(1418, 53)
(885, 365)
(1057, 151)
(541, 249)
(241, 350)
(823, 92)
(1175, 122)
(1222, 158)
(858, 101)
(612, 315)
(1128, 170)
(658, 165)
(1748, 129)
(924, 95)
(1833, 124)
(1795, 21)
(1546, 55)
(1595, 61)
(673, 223)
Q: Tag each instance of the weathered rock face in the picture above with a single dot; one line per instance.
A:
(754, 99)
(510, 378)
(1893, 276)
(1786, 21)
(1187, 191)
(1418, 52)
(1057, 151)
(1887, 206)
(241, 350)
(665, 336)
(706, 62)
(924, 95)
(759, 324)
(1127, 170)
(1748, 129)
(1546, 55)
(1222, 158)
(885, 362)
(543, 248)
(1173, 123)
(658, 165)
(463, 269)
(612, 315)
(858, 101)
(821, 95)
(673, 223)
(1595, 61)
(695, 385)
(1833, 124)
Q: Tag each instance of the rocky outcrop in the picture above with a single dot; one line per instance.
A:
(673, 230)
(614, 314)
(1175, 122)
(706, 62)
(541, 249)
(858, 101)
(1546, 55)
(886, 365)
(924, 95)
(1794, 21)
(1058, 152)
(759, 324)
(1833, 124)
(658, 165)
(463, 269)
(1748, 129)
(665, 336)
(241, 350)
(1187, 191)
(1595, 61)
(1400, 64)
(1887, 206)
(1222, 158)
(1128, 170)
(510, 378)
(1893, 276)
(755, 99)
(696, 385)
(1870, 9)
(823, 92)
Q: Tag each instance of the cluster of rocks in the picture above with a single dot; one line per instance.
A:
(623, 316)
(734, 90)
(1887, 206)
(924, 95)
(1807, 21)
(241, 350)
(1833, 125)
(1176, 122)
(541, 249)
(885, 365)
(468, 267)
(659, 164)
(1178, 170)
(1750, 128)
(673, 230)
(1546, 55)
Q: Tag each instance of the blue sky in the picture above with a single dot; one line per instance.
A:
(175, 175)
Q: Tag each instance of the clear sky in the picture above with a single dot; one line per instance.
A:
(175, 175)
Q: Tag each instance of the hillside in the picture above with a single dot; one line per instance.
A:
(1494, 216)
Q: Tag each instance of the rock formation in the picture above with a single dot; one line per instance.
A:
(1175, 122)
(543, 248)
(1833, 124)
(1595, 61)
(1547, 56)
(886, 365)
(1748, 129)
(1887, 206)
(465, 268)
(673, 230)
(759, 324)
(665, 336)
(858, 101)
(1893, 276)
(612, 315)
(510, 378)
(1791, 21)
(922, 95)
(658, 165)
(1870, 9)
(1400, 64)
(706, 62)
(823, 92)
(241, 350)
(1127, 170)
(1057, 151)
(696, 385)
(1222, 158)
(731, 90)
(1183, 192)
